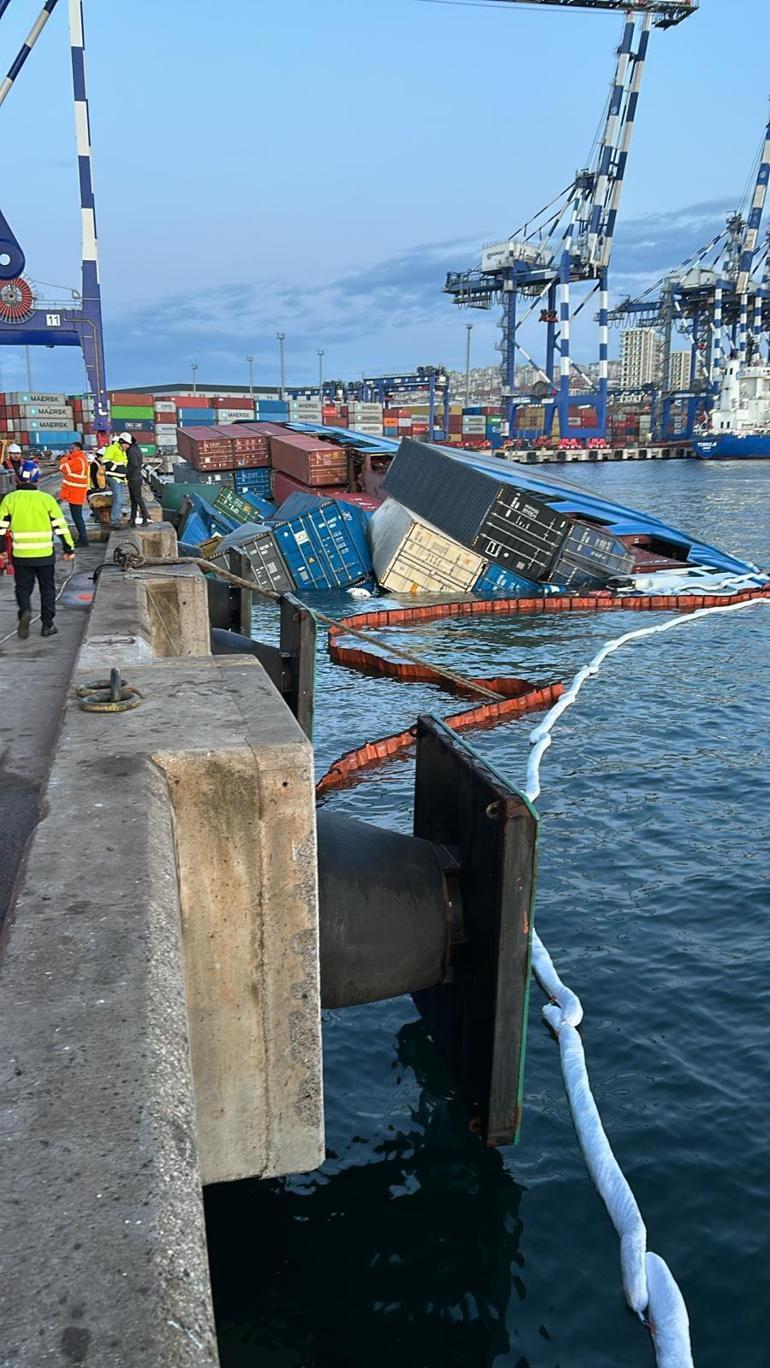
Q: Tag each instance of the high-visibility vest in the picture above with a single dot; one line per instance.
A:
(32, 517)
(74, 470)
(115, 461)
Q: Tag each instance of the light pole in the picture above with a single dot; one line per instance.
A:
(281, 339)
(321, 355)
(194, 374)
(250, 360)
(468, 329)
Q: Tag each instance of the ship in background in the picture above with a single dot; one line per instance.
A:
(740, 420)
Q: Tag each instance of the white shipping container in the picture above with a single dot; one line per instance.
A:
(475, 424)
(233, 415)
(373, 429)
(33, 398)
(49, 411)
(45, 425)
(411, 557)
(372, 411)
(165, 406)
(165, 430)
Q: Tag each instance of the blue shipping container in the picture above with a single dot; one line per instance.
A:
(52, 439)
(324, 546)
(202, 521)
(255, 481)
(196, 415)
(497, 580)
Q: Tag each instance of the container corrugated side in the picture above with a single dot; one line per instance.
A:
(410, 556)
(268, 568)
(453, 497)
(325, 547)
(495, 579)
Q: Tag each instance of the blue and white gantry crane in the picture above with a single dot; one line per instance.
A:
(719, 298)
(25, 319)
(570, 240)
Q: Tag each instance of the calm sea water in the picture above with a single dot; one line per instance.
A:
(413, 1246)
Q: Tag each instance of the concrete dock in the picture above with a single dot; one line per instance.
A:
(159, 994)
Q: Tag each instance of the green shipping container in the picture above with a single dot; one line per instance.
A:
(172, 494)
(118, 411)
(149, 450)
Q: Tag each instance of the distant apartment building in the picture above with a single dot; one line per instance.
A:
(640, 357)
(679, 370)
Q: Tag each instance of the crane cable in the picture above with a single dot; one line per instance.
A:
(650, 1288)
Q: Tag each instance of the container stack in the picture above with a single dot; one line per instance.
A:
(306, 464)
(233, 410)
(305, 411)
(165, 424)
(271, 411)
(134, 413)
(37, 419)
(365, 417)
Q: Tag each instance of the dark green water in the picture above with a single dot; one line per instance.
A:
(413, 1246)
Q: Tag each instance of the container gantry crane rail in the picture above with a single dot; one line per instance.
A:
(570, 240)
(719, 298)
(25, 318)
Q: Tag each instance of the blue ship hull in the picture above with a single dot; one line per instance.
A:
(730, 446)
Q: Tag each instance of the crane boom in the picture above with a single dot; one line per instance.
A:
(665, 12)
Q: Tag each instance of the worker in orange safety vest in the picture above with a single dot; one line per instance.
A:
(75, 474)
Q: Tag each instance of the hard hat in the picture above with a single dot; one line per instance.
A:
(125, 437)
(30, 472)
(15, 448)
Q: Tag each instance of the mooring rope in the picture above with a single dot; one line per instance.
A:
(650, 1288)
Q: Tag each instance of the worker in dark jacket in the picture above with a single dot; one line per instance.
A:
(135, 461)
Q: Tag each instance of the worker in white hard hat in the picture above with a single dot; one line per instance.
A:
(14, 457)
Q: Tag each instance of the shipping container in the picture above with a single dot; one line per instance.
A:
(410, 556)
(185, 473)
(250, 443)
(256, 479)
(268, 568)
(242, 506)
(120, 412)
(133, 424)
(35, 397)
(589, 557)
(494, 579)
(309, 459)
(49, 411)
(165, 406)
(205, 448)
(323, 542)
(234, 415)
(50, 439)
(284, 485)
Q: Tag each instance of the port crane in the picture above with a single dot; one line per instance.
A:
(570, 240)
(719, 298)
(26, 318)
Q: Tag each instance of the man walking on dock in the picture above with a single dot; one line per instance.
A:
(74, 490)
(33, 517)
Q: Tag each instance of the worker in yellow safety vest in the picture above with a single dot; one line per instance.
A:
(33, 517)
(115, 462)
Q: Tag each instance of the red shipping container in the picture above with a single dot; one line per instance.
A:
(251, 447)
(205, 448)
(231, 403)
(284, 485)
(188, 401)
(309, 459)
(122, 399)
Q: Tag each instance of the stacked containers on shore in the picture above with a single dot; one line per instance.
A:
(134, 413)
(165, 424)
(271, 411)
(37, 419)
(365, 417)
(305, 411)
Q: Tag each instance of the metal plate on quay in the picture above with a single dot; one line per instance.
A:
(478, 1016)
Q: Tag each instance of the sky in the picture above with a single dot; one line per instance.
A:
(316, 168)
